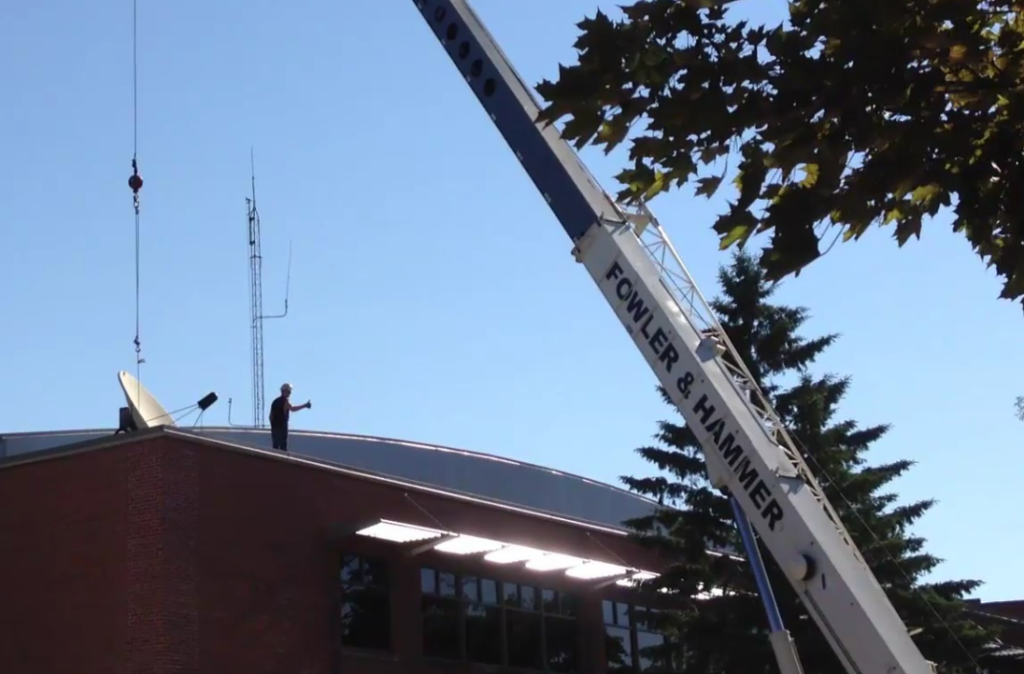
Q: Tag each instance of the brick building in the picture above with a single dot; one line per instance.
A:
(1008, 618)
(173, 551)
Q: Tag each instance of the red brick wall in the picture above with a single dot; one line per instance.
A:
(1011, 631)
(62, 566)
(170, 557)
(1007, 609)
(97, 562)
(161, 520)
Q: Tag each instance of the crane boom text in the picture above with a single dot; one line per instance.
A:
(717, 425)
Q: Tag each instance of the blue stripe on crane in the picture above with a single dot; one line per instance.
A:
(557, 172)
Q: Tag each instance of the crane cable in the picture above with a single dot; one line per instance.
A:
(135, 183)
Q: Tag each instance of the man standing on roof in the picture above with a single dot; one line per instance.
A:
(279, 411)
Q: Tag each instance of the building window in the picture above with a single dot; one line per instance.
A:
(365, 603)
(633, 642)
(492, 622)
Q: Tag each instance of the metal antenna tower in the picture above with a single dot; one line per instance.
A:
(256, 300)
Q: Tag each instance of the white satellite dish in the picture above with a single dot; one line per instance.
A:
(147, 412)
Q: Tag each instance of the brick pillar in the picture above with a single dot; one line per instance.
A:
(162, 531)
(590, 622)
(406, 611)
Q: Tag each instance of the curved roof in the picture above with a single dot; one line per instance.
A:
(483, 475)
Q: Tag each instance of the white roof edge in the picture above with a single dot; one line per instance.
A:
(437, 447)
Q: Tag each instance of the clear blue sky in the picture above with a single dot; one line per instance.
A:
(433, 295)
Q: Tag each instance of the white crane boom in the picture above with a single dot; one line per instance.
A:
(748, 452)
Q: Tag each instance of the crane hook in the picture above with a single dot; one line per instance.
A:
(135, 183)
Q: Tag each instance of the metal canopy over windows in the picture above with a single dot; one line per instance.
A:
(505, 553)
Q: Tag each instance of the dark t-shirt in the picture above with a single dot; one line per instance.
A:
(279, 411)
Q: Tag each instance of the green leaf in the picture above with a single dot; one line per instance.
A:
(957, 53)
(611, 133)
(793, 246)
(656, 186)
(925, 193)
(736, 234)
(734, 227)
(907, 228)
(810, 175)
(706, 187)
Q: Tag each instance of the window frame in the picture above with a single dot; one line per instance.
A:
(383, 591)
(634, 628)
(545, 615)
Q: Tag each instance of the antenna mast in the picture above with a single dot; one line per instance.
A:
(256, 299)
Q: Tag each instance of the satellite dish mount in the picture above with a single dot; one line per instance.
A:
(145, 411)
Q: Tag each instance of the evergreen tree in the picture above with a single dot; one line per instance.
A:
(716, 635)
